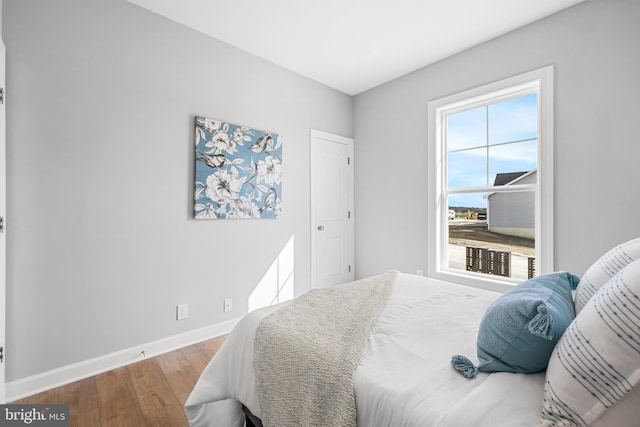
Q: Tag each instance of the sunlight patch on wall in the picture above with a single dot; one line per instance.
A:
(277, 284)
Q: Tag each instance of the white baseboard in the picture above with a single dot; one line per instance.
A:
(28, 386)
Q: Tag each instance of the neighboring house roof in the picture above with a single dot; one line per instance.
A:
(507, 177)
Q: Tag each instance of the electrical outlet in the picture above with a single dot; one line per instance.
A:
(228, 304)
(182, 311)
(420, 272)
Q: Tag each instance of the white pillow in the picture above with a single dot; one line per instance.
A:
(622, 414)
(604, 269)
(597, 361)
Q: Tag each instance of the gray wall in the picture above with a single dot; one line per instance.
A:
(102, 243)
(593, 47)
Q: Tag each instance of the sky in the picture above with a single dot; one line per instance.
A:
(487, 140)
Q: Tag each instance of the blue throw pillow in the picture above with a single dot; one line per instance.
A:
(519, 330)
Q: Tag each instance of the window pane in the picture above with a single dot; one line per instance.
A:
(492, 233)
(467, 129)
(513, 120)
(476, 215)
(467, 168)
(474, 202)
(510, 159)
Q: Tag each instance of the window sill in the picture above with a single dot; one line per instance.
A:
(494, 283)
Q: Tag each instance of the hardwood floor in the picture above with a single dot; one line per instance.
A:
(151, 392)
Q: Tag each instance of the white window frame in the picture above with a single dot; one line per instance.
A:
(539, 81)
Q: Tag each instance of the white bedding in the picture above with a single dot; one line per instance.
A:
(404, 377)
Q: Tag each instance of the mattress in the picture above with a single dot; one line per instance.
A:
(404, 377)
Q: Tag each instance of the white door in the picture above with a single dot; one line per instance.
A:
(331, 209)
(3, 212)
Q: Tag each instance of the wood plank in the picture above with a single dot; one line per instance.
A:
(152, 390)
(81, 395)
(182, 383)
(85, 419)
(198, 355)
(168, 416)
(214, 344)
(46, 397)
(117, 399)
(172, 361)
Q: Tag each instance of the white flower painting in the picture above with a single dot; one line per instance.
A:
(238, 171)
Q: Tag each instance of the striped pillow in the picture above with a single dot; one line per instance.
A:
(597, 361)
(604, 269)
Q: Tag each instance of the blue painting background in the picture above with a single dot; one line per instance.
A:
(238, 171)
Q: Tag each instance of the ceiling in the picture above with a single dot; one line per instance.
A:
(354, 45)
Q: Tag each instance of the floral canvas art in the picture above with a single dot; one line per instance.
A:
(238, 171)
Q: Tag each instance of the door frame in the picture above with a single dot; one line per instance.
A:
(315, 137)
(3, 216)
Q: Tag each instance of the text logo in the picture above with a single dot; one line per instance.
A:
(34, 415)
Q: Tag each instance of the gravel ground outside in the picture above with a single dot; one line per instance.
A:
(475, 233)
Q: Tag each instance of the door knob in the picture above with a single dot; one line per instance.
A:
(321, 228)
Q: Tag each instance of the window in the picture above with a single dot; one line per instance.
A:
(491, 182)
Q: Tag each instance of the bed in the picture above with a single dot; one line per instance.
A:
(404, 374)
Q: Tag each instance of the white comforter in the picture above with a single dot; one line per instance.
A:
(404, 378)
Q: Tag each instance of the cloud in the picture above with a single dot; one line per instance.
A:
(510, 145)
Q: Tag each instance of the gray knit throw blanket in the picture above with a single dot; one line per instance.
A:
(305, 354)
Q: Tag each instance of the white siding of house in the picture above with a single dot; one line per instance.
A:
(513, 213)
